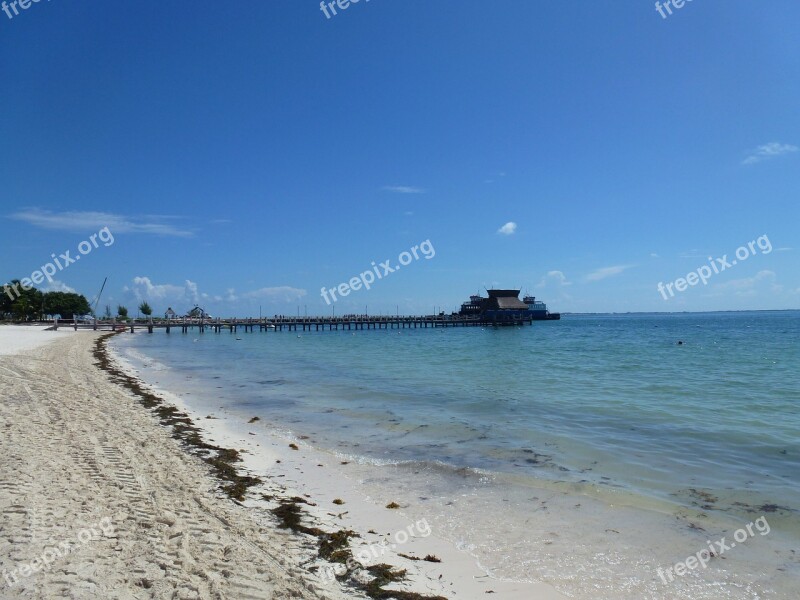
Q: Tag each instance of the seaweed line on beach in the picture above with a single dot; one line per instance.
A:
(221, 460)
(333, 547)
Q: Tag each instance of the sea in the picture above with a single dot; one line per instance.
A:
(591, 453)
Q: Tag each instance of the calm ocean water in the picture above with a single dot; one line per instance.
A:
(606, 407)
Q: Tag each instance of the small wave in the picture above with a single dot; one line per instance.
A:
(433, 467)
(143, 360)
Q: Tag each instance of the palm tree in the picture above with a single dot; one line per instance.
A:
(122, 312)
(145, 309)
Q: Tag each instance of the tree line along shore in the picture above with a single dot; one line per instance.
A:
(22, 303)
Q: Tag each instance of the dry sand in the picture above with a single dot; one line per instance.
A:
(78, 453)
(97, 500)
(18, 338)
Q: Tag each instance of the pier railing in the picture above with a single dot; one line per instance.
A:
(287, 323)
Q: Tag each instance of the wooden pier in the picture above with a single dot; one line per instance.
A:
(283, 323)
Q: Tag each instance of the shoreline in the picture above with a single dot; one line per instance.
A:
(96, 501)
(262, 508)
(611, 548)
(281, 464)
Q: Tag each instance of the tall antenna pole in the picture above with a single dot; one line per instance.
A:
(96, 302)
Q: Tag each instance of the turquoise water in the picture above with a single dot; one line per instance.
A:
(610, 401)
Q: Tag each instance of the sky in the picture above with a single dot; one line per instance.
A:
(245, 155)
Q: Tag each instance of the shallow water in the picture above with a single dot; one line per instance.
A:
(497, 435)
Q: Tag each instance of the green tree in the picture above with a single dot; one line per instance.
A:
(24, 305)
(7, 298)
(122, 312)
(21, 309)
(65, 304)
(145, 309)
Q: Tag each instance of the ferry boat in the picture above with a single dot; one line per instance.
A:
(538, 310)
(473, 307)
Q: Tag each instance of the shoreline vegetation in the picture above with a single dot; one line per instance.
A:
(333, 547)
(223, 464)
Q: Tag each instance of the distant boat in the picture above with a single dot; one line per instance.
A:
(538, 310)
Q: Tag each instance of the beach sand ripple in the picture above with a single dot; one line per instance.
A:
(97, 502)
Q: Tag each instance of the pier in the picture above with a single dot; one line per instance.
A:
(284, 323)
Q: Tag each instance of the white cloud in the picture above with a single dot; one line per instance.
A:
(144, 289)
(403, 189)
(654, 255)
(768, 151)
(606, 272)
(58, 286)
(183, 297)
(556, 278)
(83, 221)
(509, 228)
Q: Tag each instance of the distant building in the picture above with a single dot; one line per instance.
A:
(504, 306)
(198, 313)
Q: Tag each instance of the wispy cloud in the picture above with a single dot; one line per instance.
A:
(761, 282)
(607, 272)
(501, 174)
(283, 292)
(556, 278)
(509, 228)
(767, 151)
(83, 221)
(403, 189)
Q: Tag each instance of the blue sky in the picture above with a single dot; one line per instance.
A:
(247, 154)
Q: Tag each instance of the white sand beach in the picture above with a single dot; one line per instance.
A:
(19, 338)
(98, 500)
